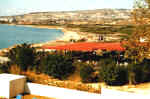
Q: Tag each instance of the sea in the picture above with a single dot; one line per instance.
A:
(17, 34)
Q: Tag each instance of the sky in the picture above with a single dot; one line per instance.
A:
(15, 7)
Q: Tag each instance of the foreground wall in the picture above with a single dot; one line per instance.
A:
(62, 93)
(11, 85)
(59, 93)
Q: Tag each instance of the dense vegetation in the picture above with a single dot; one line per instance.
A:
(113, 74)
(113, 68)
(58, 66)
(22, 55)
(86, 73)
(109, 66)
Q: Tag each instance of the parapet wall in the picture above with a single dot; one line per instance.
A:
(58, 93)
(63, 93)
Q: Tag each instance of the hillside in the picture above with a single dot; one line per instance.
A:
(99, 16)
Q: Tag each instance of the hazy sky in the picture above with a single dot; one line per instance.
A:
(12, 7)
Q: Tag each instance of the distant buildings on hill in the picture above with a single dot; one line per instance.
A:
(101, 16)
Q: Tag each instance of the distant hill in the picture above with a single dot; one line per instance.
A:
(71, 17)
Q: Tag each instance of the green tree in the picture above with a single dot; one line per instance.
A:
(139, 72)
(58, 66)
(111, 73)
(39, 61)
(23, 55)
(4, 68)
(137, 47)
(86, 73)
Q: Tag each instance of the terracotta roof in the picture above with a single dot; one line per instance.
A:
(88, 46)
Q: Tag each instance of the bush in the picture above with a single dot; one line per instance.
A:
(82, 40)
(146, 70)
(39, 62)
(72, 40)
(112, 74)
(86, 72)
(58, 66)
(14, 69)
(22, 55)
(135, 73)
(140, 72)
(4, 68)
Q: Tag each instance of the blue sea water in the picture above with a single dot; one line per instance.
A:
(11, 35)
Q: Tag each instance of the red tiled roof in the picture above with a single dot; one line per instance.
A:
(88, 46)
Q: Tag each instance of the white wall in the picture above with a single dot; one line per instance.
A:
(4, 89)
(59, 93)
(62, 93)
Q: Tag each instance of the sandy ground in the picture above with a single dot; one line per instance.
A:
(141, 89)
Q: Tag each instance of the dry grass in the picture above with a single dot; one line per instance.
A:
(14, 69)
(73, 82)
(70, 84)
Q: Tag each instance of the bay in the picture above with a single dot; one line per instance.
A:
(12, 35)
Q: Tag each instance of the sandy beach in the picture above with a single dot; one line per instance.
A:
(65, 39)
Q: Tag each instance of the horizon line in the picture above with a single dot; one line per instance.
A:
(30, 12)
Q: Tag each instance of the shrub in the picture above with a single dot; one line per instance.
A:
(86, 72)
(72, 40)
(112, 74)
(146, 70)
(14, 69)
(39, 62)
(58, 66)
(135, 73)
(4, 68)
(22, 55)
(140, 72)
(82, 40)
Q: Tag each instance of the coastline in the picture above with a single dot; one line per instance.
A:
(64, 39)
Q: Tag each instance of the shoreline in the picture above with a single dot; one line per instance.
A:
(64, 39)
